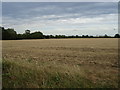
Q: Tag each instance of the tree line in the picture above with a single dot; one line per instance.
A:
(11, 34)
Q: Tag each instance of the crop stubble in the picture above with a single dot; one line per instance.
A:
(95, 59)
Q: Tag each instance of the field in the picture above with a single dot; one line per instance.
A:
(60, 63)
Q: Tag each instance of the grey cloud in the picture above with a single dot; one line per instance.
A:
(26, 10)
(60, 17)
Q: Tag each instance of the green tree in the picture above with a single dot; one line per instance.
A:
(37, 35)
(117, 36)
(9, 34)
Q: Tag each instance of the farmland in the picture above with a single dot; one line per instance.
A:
(60, 63)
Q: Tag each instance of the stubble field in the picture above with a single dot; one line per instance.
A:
(60, 63)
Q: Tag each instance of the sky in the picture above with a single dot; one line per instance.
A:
(64, 18)
(60, 0)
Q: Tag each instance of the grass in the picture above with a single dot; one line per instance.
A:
(18, 76)
(60, 63)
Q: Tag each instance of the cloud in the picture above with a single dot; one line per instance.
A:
(64, 26)
(24, 10)
(61, 18)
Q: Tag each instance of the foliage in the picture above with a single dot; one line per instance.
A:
(117, 36)
(10, 34)
(36, 35)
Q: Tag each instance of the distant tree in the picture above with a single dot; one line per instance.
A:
(37, 35)
(51, 36)
(20, 36)
(117, 36)
(91, 36)
(105, 36)
(77, 36)
(46, 36)
(86, 36)
(26, 35)
(9, 34)
(27, 31)
(56, 36)
(1, 28)
(83, 36)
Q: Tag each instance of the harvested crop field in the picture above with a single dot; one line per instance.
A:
(60, 63)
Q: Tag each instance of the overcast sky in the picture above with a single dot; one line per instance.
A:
(75, 18)
(60, 0)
